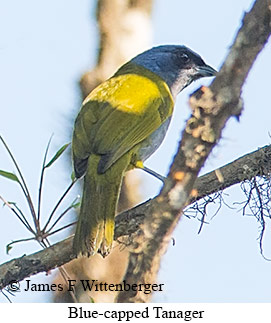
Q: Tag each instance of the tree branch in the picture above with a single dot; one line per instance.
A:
(257, 163)
(211, 109)
(124, 28)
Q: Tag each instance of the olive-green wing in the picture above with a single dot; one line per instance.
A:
(118, 115)
(82, 140)
(120, 132)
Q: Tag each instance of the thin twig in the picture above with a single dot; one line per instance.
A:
(17, 241)
(23, 185)
(20, 217)
(62, 214)
(58, 203)
(60, 229)
(42, 176)
(6, 296)
(59, 218)
(261, 219)
(23, 216)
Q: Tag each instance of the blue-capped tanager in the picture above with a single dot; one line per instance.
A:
(121, 123)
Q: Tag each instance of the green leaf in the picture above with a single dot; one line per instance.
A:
(76, 205)
(8, 248)
(91, 300)
(12, 203)
(9, 175)
(73, 176)
(57, 155)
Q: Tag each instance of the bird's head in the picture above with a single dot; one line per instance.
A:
(175, 64)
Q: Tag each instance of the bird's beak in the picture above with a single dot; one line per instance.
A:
(206, 70)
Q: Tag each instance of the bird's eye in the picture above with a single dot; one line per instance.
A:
(185, 58)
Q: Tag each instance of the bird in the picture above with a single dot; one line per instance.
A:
(121, 123)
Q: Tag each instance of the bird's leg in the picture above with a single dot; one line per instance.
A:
(139, 164)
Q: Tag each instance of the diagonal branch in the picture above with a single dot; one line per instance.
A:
(211, 109)
(257, 163)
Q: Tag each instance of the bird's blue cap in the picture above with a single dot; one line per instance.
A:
(176, 64)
